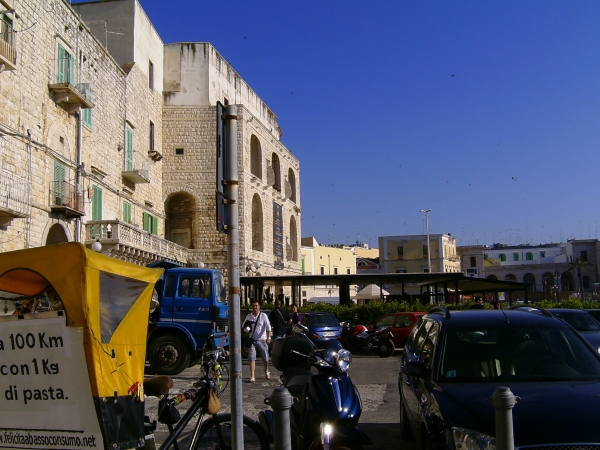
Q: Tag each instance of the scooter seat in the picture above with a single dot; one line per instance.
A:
(295, 376)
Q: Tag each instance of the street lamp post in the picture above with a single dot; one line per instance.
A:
(427, 211)
(556, 284)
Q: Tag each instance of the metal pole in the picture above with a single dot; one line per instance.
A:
(281, 401)
(233, 270)
(78, 172)
(427, 211)
(504, 401)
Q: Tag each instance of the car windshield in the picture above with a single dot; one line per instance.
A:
(324, 320)
(516, 354)
(579, 320)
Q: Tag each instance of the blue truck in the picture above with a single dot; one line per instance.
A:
(190, 304)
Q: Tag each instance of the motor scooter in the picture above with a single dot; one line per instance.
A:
(358, 339)
(325, 401)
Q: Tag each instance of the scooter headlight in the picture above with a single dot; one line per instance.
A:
(465, 439)
(343, 360)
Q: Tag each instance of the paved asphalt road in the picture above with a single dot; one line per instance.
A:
(376, 379)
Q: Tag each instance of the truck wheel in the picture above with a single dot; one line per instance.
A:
(195, 359)
(169, 355)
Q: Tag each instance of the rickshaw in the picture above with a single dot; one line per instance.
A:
(72, 349)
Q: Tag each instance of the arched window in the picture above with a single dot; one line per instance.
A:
(56, 235)
(529, 279)
(491, 277)
(276, 172)
(255, 157)
(292, 181)
(294, 238)
(510, 277)
(257, 224)
(180, 212)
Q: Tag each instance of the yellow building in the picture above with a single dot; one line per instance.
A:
(410, 254)
(323, 260)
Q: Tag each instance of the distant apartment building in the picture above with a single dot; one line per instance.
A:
(545, 268)
(410, 254)
(107, 135)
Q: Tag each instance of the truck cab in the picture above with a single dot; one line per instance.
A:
(192, 305)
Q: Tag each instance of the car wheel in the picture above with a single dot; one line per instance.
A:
(406, 432)
(385, 348)
(168, 355)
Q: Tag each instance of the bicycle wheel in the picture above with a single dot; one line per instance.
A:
(255, 438)
(220, 373)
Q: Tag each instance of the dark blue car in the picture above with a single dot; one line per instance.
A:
(322, 327)
(454, 360)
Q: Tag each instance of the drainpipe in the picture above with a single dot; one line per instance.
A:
(78, 189)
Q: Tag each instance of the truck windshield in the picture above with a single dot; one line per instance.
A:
(220, 288)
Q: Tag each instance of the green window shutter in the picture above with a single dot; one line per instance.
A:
(61, 74)
(71, 77)
(60, 173)
(97, 204)
(129, 150)
(145, 221)
(86, 117)
(154, 225)
(127, 212)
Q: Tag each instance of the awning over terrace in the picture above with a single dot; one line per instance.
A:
(441, 286)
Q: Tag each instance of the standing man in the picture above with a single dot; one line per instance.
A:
(279, 319)
(259, 330)
(478, 303)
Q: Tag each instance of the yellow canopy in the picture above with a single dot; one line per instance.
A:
(108, 298)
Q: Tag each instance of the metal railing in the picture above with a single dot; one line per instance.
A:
(64, 71)
(128, 236)
(14, 194)
(64, 194)
(136, 165)
(7, 44)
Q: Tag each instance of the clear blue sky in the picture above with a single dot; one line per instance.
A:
(487, 112)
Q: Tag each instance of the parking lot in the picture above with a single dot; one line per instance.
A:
(376, 379)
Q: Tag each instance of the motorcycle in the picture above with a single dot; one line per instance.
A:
(328, 405)
(358, 339)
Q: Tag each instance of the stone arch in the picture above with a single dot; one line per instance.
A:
(491, 277)
(180, 217)
(529, 279)
(255, 157)
(566, 280)
(57, 139)
(257, 224)
(294, 238)
(292, 181)
(276, 165)
(56, 233)
(510, 277)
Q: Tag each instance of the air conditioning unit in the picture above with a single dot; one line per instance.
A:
(472, 272)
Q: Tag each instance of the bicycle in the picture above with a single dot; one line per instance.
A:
(215, 357)
(214, 433)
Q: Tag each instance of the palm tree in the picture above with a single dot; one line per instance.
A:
(579, 264)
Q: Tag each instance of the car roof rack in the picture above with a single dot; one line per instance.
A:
(445, 312)
(542, 310)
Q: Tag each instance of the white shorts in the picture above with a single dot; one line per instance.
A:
(258, 347)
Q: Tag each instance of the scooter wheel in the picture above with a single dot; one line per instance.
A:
(316, 445)
(385, 348)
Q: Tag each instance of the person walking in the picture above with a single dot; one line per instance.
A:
(296, 317)
(478, 303)
(280, 319)
(259, 330)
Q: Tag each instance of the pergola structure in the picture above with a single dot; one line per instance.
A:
(440, 287)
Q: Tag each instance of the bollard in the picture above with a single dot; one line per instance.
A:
(503, 401)
(281, 401)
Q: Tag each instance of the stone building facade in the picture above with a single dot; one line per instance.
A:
(409, 254)
(100, 143)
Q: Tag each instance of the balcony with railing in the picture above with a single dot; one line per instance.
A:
(64, 199)
(14, 197)
(136, 169)
(68, 85)
(128, 242)
(8, 49)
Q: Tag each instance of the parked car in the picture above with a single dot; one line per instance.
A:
(400, 323)
(322, 327)
(595, 313)
(453, 362)
(581, 320)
